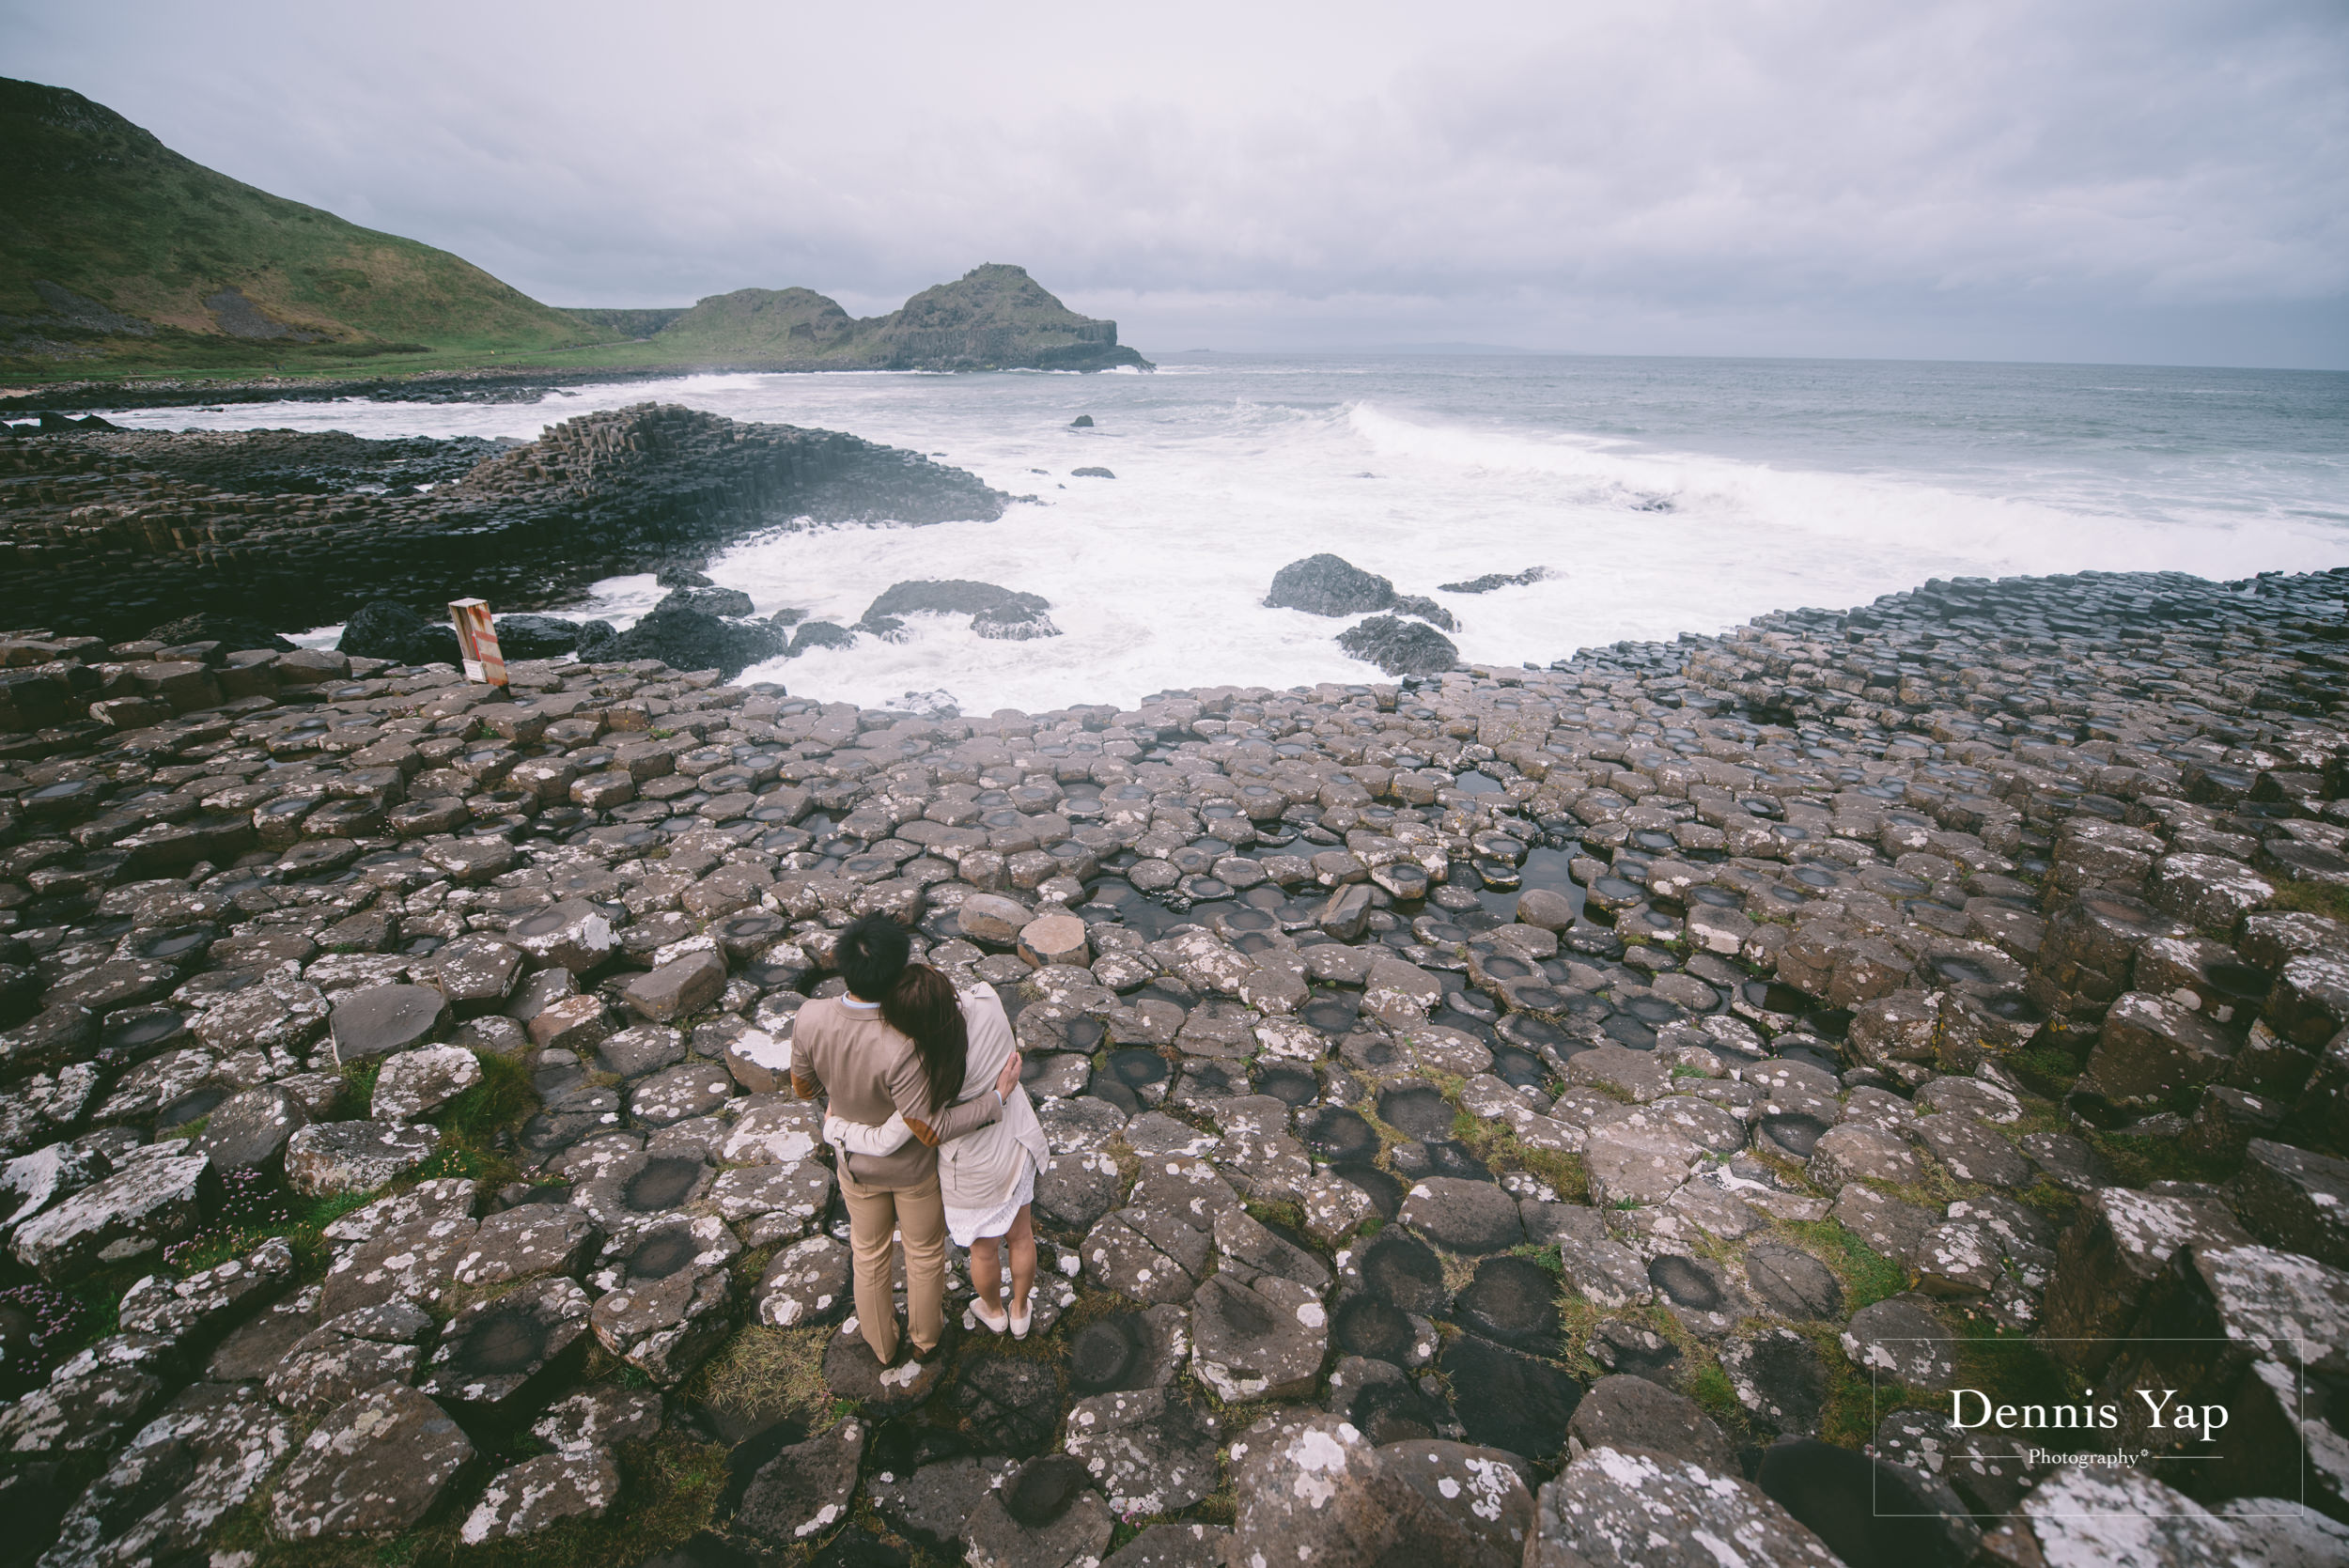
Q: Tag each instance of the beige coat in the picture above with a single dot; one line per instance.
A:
(976, 1170)
(867, 1071)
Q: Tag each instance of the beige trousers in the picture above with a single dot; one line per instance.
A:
(916, 1214)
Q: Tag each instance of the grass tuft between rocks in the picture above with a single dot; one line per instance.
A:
(764, 1375)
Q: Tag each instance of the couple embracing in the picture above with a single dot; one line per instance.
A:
(934, 1134)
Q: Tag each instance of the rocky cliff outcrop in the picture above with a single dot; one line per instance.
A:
(993, 318)
(112, 533)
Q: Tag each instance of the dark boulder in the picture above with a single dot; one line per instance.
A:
(598, 643)
(1327, 586)
(1083, 422)
(1425, 609)
(535, 636)
(1002, 613)
(821, 634)
(1401, 648)
(388, 629)
(685, 635)
(713, 601)
(234, 633)
(1492, 580)
(683, 574)
(1870, 1515)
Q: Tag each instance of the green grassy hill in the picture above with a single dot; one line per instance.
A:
(117, 253)
(119, 256)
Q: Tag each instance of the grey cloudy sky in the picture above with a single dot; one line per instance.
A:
(2141, 181)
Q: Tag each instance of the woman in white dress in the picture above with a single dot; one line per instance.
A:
(985, 1178)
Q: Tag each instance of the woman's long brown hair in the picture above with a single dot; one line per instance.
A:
(924, 1008)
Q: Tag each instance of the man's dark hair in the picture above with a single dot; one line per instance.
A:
(872, 954)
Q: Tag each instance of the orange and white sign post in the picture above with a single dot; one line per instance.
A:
(478, 640)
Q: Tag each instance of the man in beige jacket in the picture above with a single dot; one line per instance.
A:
(841, 1047)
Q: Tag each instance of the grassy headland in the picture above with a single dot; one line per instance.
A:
(119, 259)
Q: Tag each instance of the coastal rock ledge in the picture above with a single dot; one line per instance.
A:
(1509, 1116)
(114, 532)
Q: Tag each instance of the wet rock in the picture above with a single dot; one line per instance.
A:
(2294, 1200)
(1791, 1282)
(350, 1354)
(525, 1498)
(1610, 1508)
(252, 1128)
(1903, 1339)
(375, 1465)
(208, 1298)
(808, 1283)
(388, 629)
(1012, 1403)
(1045, 1515)
(1401, 648)
(852, 1373)
(683, 635)
(1129, 1350)
(127, 1215)
(1779, 1378)
(497, 1357)
(1466, 1216)
(207, 1454)
(1513, 1301)
(1260, 1341)
(1636, 1416)
(680, 986)
(381, 1019)
(1865, 1510)
(413, 1084)
(1507, 1399)
(30, 1183)
(1149, 1450)
(1329, 585)
(327, 1157)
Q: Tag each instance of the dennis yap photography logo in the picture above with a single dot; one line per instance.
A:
(2195, 1412)
(1974, 1410)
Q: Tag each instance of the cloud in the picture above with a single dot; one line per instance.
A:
(2132, 182)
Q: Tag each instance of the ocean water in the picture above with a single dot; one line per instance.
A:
(1662, 495)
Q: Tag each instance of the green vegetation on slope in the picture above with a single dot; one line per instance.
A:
(116, 254)
(119, 256)
(995, 316)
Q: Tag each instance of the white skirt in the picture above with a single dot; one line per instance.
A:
(968, 1226)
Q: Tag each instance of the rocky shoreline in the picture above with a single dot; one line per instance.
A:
(444, 386)
(114, 532)
(1559, 1116)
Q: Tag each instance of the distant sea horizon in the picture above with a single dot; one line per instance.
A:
(1661, 494)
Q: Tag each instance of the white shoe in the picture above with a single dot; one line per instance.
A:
(1020, 1319)
(995, 1321)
